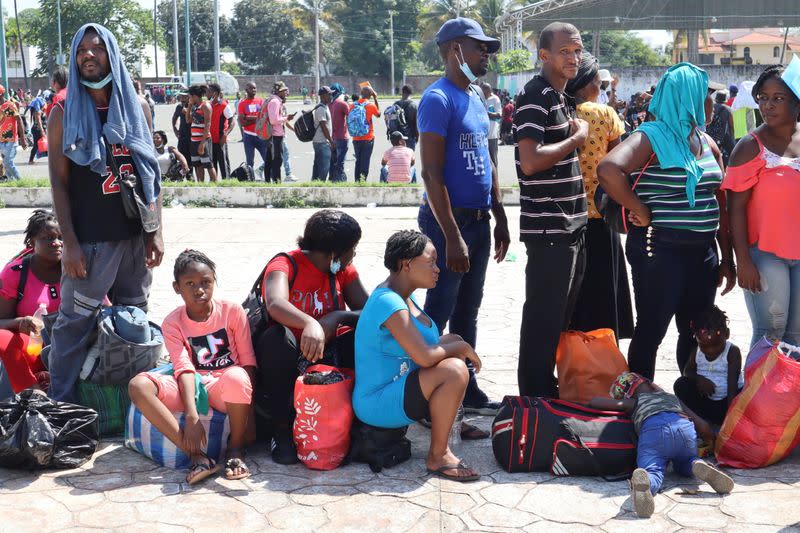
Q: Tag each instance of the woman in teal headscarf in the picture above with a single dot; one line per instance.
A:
(676, 213)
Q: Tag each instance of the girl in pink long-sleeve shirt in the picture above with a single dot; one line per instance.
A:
(210, 338)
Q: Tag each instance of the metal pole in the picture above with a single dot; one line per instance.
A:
(216, 36)
(60, 58)
(783, 48)
(391, 50)
(21, 47)
(175, 50)
(155, 35)
(316, 46)
(3, 65)
(188, 43)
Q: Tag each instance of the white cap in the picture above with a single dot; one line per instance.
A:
(605, 75)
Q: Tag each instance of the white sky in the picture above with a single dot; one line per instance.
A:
(655, 38)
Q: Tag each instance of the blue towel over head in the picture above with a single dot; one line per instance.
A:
(126, 124)
(678, 105)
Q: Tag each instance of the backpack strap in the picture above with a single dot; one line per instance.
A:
(258, 286)
(25, 267)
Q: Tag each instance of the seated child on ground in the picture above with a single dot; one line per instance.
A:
(397, 165)
(210, 338)
(667, 432)
(713, 376)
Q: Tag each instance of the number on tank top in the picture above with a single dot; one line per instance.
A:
(110, 185)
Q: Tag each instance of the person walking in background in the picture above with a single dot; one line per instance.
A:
(180, 126)
(198, 114)
(362, 112)
(604, 299)
(12, 132)
(409, 108)
(553, 206)
(221, 126)
(322, 141)
(248, 111)
(339, 109)
(495, 110)
(278, 118)
(37, 128)
(461, 189)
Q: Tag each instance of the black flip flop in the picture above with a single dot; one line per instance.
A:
(440, 472)
(470, 432)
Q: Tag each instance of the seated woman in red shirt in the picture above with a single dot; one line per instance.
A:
(25, 283)
(309, 293)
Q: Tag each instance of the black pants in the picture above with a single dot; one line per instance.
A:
(185, 148)
(713, 411)
(674, 274)
(37, 134)
(219, 158)
(277, 160)
(278, 355)
(553, 276)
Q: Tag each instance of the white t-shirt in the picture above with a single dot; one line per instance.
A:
(321, 114)
(493, 105)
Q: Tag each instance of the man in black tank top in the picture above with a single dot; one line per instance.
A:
(105, 252)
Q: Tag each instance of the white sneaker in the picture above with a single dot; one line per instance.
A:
(290, 177)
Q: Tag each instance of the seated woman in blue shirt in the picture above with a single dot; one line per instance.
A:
(404, 370)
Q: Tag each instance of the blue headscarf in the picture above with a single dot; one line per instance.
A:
(125, 125)
(678, 105)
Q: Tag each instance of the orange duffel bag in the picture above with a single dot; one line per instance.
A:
(588, 363)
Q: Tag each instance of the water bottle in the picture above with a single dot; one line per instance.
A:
(454, 440)
(34, 347)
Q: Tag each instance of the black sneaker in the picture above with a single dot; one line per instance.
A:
(485, 408)
(283, 450)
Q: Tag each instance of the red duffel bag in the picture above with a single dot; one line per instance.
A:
(324, 406)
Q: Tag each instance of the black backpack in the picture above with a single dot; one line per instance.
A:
(378, 447)
(567, 439)
(304, 126)
(243, 172)
(254, 308)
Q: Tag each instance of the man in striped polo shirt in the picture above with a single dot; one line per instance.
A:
(553, 205)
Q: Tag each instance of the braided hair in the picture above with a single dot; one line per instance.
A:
(189, 256)
(36, 224)
(404, 244)
(330, 231)
(712, 319)
(773, 71)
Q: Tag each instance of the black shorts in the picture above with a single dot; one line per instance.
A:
(414, 403)
(201, 160)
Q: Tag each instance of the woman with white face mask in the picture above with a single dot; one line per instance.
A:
(309, 293)
(171, 162)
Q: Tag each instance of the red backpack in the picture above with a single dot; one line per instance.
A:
(263, 125)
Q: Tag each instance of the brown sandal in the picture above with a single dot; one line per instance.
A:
(440, 472)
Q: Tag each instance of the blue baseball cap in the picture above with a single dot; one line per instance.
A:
(464, 27)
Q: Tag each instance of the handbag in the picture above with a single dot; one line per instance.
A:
(132, 203)
(254, 307)
(613, 213)
(588, 363)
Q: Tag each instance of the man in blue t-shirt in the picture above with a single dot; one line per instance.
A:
(461, 188)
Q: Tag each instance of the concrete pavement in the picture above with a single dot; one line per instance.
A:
(120, 490)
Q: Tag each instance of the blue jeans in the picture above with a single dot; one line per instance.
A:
(251, 144)
(674, 274)
(8, 151)
(363, 151)
(775, 311)
(287, 165)
(322, 161)
(411, 143)
(385, 174)
(666, 437)
(337, 163)
(457, 297)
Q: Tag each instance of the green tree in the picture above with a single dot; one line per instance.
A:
(265, 43)
(131, 24)
(487, 11)
(625, 49)
(366, 39)
(201, 31)
(436, 12)
(513, 61)
(234, 69)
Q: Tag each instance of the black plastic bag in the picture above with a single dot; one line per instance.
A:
(37, 432)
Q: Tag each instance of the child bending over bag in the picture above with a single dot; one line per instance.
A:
(667, 432)
(210, 340)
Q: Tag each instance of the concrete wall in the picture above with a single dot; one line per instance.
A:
(262, 196)
(636, 79)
